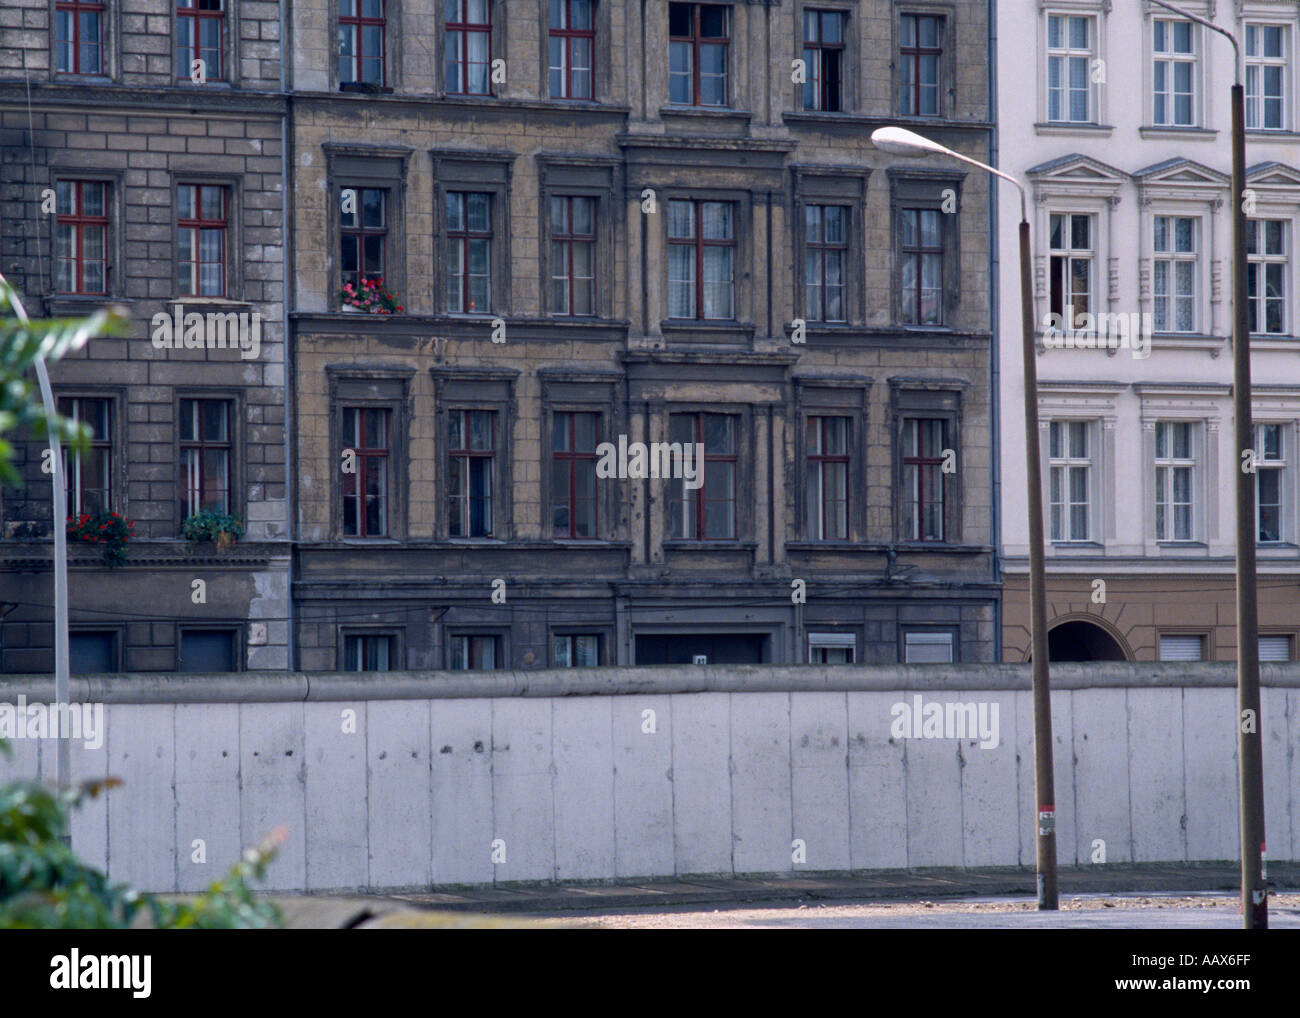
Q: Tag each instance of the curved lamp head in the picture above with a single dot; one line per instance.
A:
(900, 142)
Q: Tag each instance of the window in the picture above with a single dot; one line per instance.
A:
(365, 489)
(826, 250)
(475, 652)
(924, 440)
(367, 652)
(573, 474)
(207, 650)
(362, 31)
(828, 478)
(92, 652)
(921, 267)
(201, 240)
(89, 475)
(921, 647)
(573, 255)
(1266, 265)
(572, 42)
(471, 448)
(576, 650)
(81, 237)
(823, 56)
(1069, 69)
(832, 648)
(1270, 473)
(205, 455)
(469, 252)
(1071, 469)
(1174, 82)
(1275, 648)
(920, 50)
(1266, 74)
(468, 47)
(1071, 244)
(199, 28)
(701, 246)
(1175, 464)
(1182, 648)
(79, 37)
(363, 235)
(709, 511)
(697, 54)
(1175, 274)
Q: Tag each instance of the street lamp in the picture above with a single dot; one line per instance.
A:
(1250, 761)
(898, 141)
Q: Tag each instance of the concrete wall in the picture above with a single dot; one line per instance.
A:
(560, 767)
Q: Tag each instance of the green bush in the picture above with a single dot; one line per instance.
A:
(221, 529)
(43, 885)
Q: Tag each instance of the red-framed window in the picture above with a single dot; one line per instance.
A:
(709, 511)
(698, 43)
(363, 234)
(823, 55)
(200, 28)
(201, 240)
(921, 269)
(471, 453)
(573, 474)
(363, 29)
(205, 455)
(924, 485)
(469, 252)
(828, 478)
(920, 48)
(89, 474)
(826, 252)
(365, 490)
(701, 259)
(468, 53)
(79, 37)
(81, 237)
(572, 44)
(573, 255)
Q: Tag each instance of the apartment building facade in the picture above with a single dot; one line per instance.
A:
(142, 165)
(607, 231)
(1123, 139)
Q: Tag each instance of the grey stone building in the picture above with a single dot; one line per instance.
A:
(143, 164)
(604, 224)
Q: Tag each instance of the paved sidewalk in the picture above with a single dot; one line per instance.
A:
(332, 911)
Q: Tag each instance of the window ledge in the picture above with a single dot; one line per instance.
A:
(1182, 545)
(1191, 133)
(1066, 128)
(859, 120)
(1083, 546)
(723, 112)
(1272, 342)
(365, 88)
(708, 544)
(219, 302)
(1263, 133)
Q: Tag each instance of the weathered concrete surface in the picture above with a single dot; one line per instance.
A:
(418, 790)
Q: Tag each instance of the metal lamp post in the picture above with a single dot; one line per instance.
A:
(898, 141)
(1250, 761)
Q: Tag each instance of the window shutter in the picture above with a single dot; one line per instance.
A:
(1182, 648)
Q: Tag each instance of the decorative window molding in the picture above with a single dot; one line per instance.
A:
(359, 167)
(460, 389)
(594, 178)
(474, 173)
(380, 388)
(924, 190)
(1098, 14)
(827, 185)
(1095, 404)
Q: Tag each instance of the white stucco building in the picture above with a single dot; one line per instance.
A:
(1117, 117)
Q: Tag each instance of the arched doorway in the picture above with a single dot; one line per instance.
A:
(1082, 641)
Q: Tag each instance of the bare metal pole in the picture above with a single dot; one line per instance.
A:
(1250, 757)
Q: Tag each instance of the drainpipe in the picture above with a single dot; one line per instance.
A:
(995, 415)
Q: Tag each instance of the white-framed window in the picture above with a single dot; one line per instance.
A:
(1070, 455)
(928, 647)
(1175, 468)
(1270, 482)
(1071, 48)
(1266, 270)
(1174, 73)
(1266, 77)
(1182, 648)
(832, 648)
(1072, 243)
(1174, 273)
